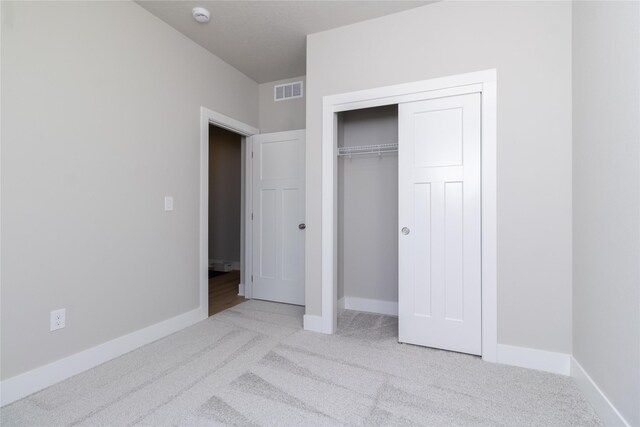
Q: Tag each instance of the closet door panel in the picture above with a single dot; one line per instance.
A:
(443, 130)
(453, 252)
(422, 249)
(439, 223)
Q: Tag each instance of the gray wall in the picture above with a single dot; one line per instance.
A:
(278, 116)
(100, 120)
(606, 199)
(529, 43)
(368, 207)
(225, 194)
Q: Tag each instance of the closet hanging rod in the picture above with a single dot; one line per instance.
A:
(367, 149)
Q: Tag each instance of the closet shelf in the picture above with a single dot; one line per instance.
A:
(367, 149)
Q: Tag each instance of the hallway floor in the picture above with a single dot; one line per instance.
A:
(223, 292)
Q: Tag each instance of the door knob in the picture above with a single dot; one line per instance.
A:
(405, 231)
(302, 226)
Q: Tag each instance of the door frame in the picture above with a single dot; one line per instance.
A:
(246, 132)
(483, 82)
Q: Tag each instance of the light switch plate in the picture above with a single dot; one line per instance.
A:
(168, 203)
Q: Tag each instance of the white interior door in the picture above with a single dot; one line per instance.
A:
(278, 216)
(440, 225)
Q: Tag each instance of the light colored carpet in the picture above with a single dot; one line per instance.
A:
(254, 365)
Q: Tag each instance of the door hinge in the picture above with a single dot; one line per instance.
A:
(252, 277)
(251, 216)
(252, 154)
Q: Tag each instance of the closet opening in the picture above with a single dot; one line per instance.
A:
(367, 214)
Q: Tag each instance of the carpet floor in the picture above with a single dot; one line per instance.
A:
(253, 365)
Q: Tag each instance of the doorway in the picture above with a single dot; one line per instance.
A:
(225, 219)
(208, 120)
(367, 184)
(271, 265)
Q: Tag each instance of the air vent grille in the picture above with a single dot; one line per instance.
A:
(288, 91)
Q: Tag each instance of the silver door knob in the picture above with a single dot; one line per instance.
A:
(405, 230)
(302, 226)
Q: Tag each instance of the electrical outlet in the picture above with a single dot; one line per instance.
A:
(58, 319)
(168, 203)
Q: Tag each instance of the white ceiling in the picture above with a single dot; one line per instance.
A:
(266, 40)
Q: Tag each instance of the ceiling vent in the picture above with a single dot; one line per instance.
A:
(288, 91)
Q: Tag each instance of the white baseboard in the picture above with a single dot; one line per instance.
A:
(241, 289)
(557, 363)
(596, 397)
(235, 265)
(389, 308)
(40, 378)
(312, 323)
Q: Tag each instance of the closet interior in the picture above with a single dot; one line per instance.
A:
(367, 181)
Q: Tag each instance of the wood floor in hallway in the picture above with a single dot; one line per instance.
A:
(223, 292)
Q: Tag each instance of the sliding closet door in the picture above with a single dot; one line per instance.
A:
(278, 216)
(439, 230)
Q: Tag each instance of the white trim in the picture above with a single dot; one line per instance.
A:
(531, 358)
(227, 122)
(489, 206)
(409, 97)
(596, 397)
(329, 229)
(481, 81)
(390, 308)
(312, 323)
(341, 305)
(211, 117)
(248, 221)
(235, 265)
(241, 289)
(37, 379)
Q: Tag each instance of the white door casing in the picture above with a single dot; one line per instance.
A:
(440, 223)
(278, 212)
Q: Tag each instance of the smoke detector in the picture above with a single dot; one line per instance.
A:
(200, 14)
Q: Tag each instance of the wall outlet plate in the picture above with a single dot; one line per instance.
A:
(58, 319)
(168, 203)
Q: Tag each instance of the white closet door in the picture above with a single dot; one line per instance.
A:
(278, 212)
(440, 229)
